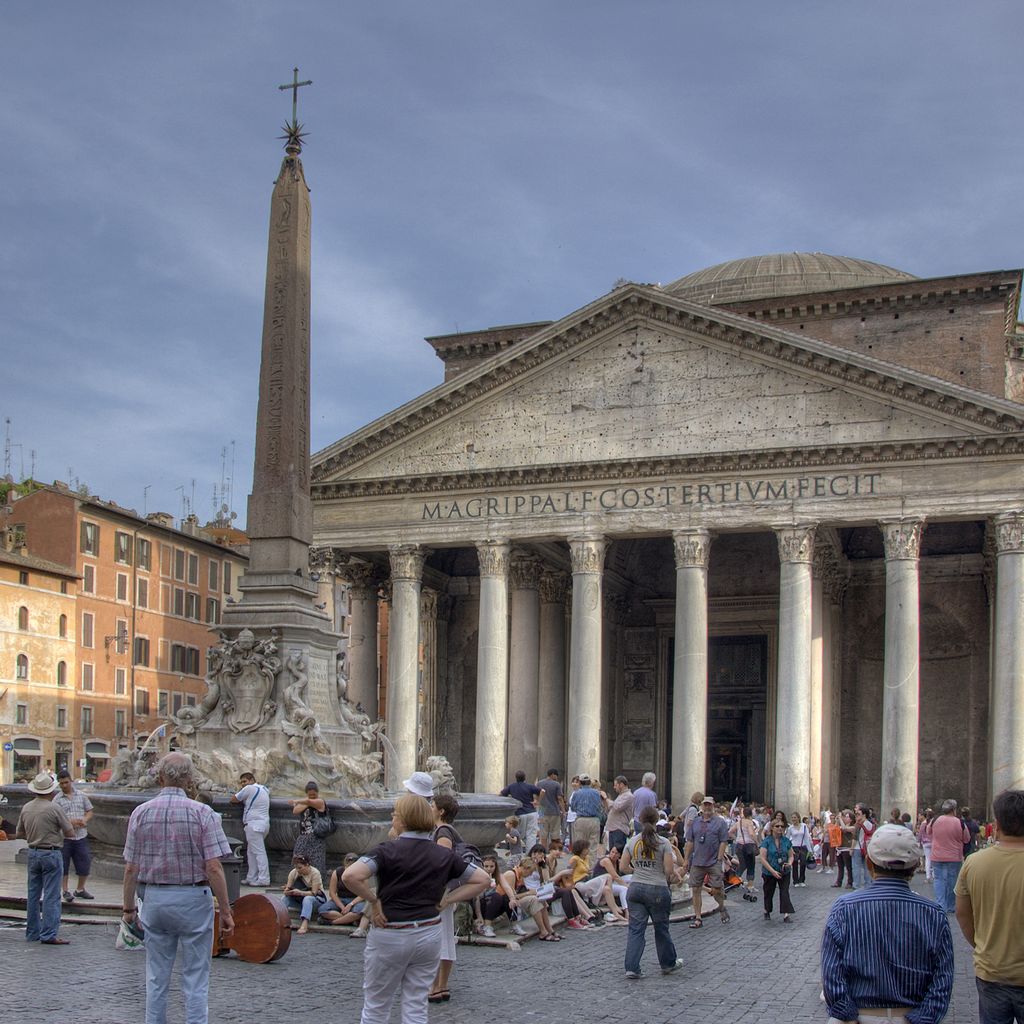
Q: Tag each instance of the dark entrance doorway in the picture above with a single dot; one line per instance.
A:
(737, 695)
(737, 699)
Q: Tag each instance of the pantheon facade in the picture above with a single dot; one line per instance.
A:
(760, 530)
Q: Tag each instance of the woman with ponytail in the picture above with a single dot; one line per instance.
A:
(652, 859)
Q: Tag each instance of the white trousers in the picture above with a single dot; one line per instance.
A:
(399, 960)
(529, 829)
(256, 857)
(592, 888)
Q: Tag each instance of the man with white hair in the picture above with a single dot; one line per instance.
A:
(45, 827)
(644, 796)
(949, 836)
(172, 857)
(887, 952)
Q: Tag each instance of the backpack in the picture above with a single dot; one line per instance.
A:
(466, 852)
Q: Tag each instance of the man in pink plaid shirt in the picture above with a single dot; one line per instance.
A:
(172, 856)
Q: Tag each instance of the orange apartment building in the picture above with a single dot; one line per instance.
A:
(147, 597)
(37, 666)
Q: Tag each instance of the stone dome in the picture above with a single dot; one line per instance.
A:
(786, 273)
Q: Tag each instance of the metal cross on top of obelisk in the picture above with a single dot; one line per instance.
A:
(293, 130)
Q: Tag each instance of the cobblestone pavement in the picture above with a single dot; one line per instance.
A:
(748, 970)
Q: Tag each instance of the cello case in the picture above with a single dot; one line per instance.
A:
(262, 930)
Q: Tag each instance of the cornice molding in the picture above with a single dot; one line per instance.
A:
(788, 460)
(633, 303)
(897, 296)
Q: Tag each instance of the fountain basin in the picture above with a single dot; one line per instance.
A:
(362, 824)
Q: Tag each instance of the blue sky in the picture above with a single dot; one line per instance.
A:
(471, 164)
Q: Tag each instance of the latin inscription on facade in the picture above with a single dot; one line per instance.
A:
(655, 496)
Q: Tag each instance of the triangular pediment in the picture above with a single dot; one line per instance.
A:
(640, 375)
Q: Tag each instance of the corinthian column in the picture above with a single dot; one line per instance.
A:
(690, 665)
(403, 658)
(900, 673)
(793, 708)
(551, 673)
(524, 666)
(362, 639)
(817, 679)
(585, 711)
(492, 667)
(1007, 711)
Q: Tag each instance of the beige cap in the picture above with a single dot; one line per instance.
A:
(896, 847)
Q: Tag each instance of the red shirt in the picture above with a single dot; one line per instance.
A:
(948, 838)
(867, 829)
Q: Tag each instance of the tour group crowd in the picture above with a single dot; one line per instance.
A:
(590, 856)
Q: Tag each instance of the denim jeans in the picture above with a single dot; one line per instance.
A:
(999, 1003)
(861, 878)
(306, 905)
(654, 902)
(173, 916)
(946, 873)
(45, 869)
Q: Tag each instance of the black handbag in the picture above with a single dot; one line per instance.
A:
(324, 825)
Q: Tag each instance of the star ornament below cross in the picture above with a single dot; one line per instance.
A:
(293, 134)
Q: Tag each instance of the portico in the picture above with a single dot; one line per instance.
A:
(672, 537)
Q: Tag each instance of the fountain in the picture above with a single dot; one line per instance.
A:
(275, 702)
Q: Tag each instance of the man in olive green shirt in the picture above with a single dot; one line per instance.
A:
(990, 909)
(44, 826)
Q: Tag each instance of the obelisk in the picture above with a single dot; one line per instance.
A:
(276, 588)
(301, 711)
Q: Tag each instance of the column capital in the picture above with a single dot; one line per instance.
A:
(324, 558)
(406, 562)
(692, 548)
(552, 587)
(902, 539)
(525, 570)
(831, 571)
(796, 543)
(428, 603)
(363, 578)
(1009, 533)
(587, 554)
(493, 556)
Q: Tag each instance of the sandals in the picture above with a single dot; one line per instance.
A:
(723, 916)
(550, 937)
(696, 923)
(442, 995)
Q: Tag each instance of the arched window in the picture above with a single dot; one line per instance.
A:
(62, 625)
(62, 673)
(22, 617)
(22, 666)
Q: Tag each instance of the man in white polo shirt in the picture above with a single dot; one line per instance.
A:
(256, 820)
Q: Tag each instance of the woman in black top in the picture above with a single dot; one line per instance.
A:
(404, 947)
(309, 844)
(446, 807)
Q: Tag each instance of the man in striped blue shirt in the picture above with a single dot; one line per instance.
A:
(887, 953)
